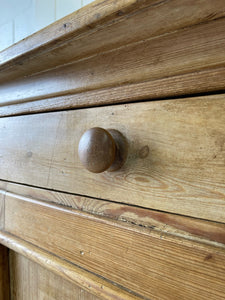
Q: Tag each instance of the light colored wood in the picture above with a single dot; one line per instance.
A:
(175, 160)
(164, 223)
(131, 256)
(155, 89)
(95, 29)
(154, 51)
(88, 281)
(4, 274)
(2, 208)
(28, 280)
(108, 53)
(167, 55)
(73, 28)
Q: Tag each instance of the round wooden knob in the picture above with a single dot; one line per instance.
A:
(100, 150)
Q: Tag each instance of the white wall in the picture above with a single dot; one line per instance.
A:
(20, 18)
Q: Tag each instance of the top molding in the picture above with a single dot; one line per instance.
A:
(68, 29)
(116, 51)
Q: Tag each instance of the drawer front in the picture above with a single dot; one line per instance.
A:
(176, 154)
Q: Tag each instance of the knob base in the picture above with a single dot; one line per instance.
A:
(121, 150)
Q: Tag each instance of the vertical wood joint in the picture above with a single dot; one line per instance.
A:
(2, 209)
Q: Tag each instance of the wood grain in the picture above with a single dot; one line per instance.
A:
(155, 89)
(70, 272)
(177, 168)
(95, 29)
(164, 223)
(130, 256)
(78, 25)
(4, 274)
(28, 280)
(164, 56)
(85, 58)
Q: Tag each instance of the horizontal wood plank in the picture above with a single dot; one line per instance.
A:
(70, 272)
(28, 280)
(85, 52)
(182, 172)
(133, 257)
(94, 29)
(168, 55)
(164, 223)
(74, 29)
(155, 89)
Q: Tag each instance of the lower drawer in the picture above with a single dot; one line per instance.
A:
(176, 154)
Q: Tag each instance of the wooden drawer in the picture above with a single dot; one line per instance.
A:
(175, 161)
(155, 229)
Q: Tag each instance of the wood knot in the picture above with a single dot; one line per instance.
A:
(208, 257)
(120, 13)
(144, 151)
(65, 25)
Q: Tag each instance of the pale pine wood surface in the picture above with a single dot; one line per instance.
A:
(72, 27)
(95, 29)
(28, 280)
(84, 57)
(70, 272)
(155, 89)
(4, 274)
(164, 223)
(175, 161)
(134, 257)
(66, 270)
(165, 56)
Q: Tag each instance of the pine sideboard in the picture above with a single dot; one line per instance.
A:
(154, 228)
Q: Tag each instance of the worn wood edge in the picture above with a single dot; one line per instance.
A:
(18, 97)
(160, 224)
(88, 281)
(78, 26)
(4, 273)
(97, 14)
(175, 86)
(30, 281)
(86, 75)
(51, 36)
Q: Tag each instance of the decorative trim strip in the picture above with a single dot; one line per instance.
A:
(93, 57)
